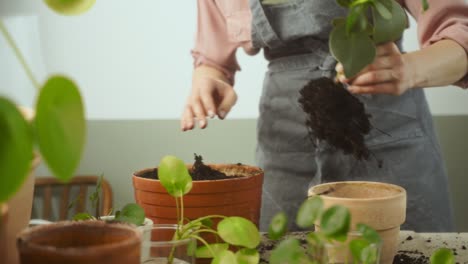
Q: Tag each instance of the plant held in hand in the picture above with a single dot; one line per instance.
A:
(335, 115)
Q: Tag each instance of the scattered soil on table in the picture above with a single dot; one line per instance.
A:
(410, 257)
(336, 116)
(199, 172)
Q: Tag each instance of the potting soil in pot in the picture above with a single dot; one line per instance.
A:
(199, 172)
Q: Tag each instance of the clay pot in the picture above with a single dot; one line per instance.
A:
(239, 196)
(3, 232)
(382, 206)
(91, 242)
(20, 209)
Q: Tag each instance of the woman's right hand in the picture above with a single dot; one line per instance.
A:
(211, 95)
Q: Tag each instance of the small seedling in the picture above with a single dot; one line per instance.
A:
(235, 231)
(131, 213)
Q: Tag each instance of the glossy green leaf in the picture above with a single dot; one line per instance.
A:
(443, 256)
(225, 257)
(60, 126)
(174, 176)
(368, 233)
(355, 50)
(309, 211)
(278, 226)
(356, 20)
(239, 231)
(288, 251)
(82, 217)
(205, 252)
(70, 7)
(131, 213)
(386, 30)
(247, 256)
(335, 222)
(364, 251)
(382, 9)
(387, 3)
(16, 149)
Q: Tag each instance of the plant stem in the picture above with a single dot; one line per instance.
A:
(182, 211)
(194, 222)
(204, 230)
(179, 220)
(205, 243)
(18, 55)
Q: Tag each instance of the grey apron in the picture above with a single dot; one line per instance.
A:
(294, 37)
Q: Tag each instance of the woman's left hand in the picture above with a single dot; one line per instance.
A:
(390, 73)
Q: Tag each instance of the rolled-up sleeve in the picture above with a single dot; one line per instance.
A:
(445, 19)
(212, 45)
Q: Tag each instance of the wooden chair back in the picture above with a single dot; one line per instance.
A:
(47, 187)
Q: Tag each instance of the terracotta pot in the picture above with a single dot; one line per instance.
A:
(91, 242)
(20, 209)
(382, 206)
(3, 232)
(229, 197)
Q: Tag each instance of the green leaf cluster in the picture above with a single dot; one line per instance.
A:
(368, 23)
(58, 130)
(131, 213)
(334, 225)
(234, 231)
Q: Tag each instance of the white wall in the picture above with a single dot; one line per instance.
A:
(132, 61)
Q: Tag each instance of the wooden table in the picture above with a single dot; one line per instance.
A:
(414, 247)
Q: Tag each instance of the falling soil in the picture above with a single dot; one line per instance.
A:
(336, 116)
(199, 172)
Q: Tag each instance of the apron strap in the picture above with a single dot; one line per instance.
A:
(262, 32)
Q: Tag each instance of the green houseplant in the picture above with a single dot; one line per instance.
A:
(234, 231)
(333, 242)
(56, 132)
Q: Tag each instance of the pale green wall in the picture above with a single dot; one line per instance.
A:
(118, 148)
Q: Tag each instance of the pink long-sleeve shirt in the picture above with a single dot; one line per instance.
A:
(225, 25)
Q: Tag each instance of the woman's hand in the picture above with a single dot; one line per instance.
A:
(390, 73)
(211, 95)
